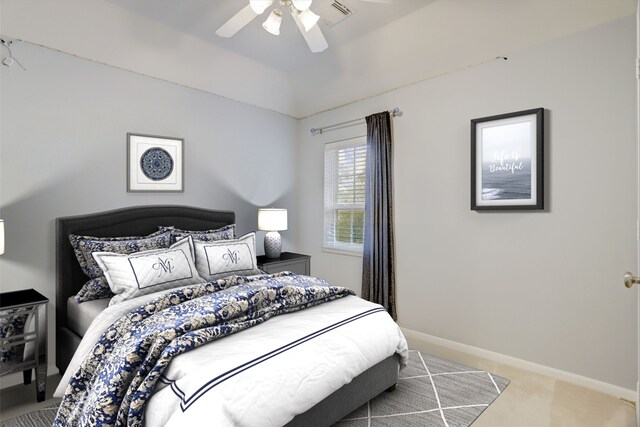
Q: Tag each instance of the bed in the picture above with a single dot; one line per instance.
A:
(72, 321)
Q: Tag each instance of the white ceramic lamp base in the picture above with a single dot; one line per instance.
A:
(272, 244)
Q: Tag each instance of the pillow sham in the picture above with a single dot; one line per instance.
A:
(84, 246)
(222, 233)
(222, 258)
(97, 288)
(141, 273)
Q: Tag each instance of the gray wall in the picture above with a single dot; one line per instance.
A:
(541, 286)
(63, 152)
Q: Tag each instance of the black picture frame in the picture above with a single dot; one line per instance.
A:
(507, 161)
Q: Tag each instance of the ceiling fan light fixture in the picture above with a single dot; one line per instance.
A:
(308, 19)
(259, 6)
(272, 24)
(302, 5)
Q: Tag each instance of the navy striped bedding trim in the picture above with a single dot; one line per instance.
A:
(186, 402)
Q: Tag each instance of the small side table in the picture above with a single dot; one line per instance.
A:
(288, 261)
(19, 310)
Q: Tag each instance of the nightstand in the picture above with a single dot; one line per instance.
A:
(288, 261)
(23, 326)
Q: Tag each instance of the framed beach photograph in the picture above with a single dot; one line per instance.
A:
(154, 163)
(507, 161)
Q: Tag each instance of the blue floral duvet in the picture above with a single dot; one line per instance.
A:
(128, 377)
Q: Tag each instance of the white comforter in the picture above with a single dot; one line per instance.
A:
(265, 375)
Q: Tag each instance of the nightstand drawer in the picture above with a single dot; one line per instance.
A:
(288, 261)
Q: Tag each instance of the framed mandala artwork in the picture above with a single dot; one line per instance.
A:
(154, 163)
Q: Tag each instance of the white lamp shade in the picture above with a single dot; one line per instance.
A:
(302, 4)
(272, 24)
(272, 219)
(260, 6)
(308, 19)
(1, 236)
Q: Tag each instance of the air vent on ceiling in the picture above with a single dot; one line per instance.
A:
(332, 12)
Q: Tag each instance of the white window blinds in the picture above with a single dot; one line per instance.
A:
(344, 188)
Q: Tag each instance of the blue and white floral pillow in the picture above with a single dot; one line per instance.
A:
(84, 246)
(222, 233)
(145, 272)
(223, 258)
(94, 289)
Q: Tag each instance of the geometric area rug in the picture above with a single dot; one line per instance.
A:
(38, 418)
(430, 392)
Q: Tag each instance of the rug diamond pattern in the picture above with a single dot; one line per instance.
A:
(431, 392)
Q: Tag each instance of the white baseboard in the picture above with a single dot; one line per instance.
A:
(15, 379)
(593, 384)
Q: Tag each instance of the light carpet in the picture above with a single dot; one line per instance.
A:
(431, 392)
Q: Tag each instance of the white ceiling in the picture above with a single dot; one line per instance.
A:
(286, 52)
(380, 48)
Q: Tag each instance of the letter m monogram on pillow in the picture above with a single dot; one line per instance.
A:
(163, 266)
(158, 269)
(231, 257)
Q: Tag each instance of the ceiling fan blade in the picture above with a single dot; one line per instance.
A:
(314, 37)
(237, 22)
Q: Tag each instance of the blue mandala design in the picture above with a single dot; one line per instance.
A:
(156, 163)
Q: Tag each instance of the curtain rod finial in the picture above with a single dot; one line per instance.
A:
(396, 112)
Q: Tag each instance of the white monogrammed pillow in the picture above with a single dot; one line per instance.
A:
(150, 271)
(222, 258)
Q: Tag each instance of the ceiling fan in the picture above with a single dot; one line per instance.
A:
(305, 19)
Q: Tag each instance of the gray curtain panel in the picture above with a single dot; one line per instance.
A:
(378, 272)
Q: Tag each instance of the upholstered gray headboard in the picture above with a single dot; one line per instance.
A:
(132, 221)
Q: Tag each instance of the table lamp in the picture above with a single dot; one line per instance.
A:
(272, 221)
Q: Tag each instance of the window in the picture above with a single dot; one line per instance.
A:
(344, 188)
